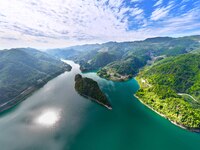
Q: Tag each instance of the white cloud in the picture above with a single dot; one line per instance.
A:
(133, 1)
(136, 11)
(64, 20)
(61, 19)
(60, 23)
(161, 12)
(159, 2)
(179, 25)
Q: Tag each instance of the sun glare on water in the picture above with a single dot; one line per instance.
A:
(48, 118)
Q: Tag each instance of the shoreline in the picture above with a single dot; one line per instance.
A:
(115, 80)
(94, 100)
(26, 93)
(162, 115)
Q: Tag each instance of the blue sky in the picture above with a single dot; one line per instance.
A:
(62, 23)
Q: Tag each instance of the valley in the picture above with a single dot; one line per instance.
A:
(163, 66)
(99, 75)
(167, 81)
(57, 117)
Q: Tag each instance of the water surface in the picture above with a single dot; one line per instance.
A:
(57, 118)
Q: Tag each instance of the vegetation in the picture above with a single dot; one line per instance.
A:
(170, 82)
(120, 61)
(123, 69)
(22, 71)
(172, 87)
(100, 60)
(90, 89)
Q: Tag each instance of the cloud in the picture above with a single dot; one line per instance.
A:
(159, 2)
(136, 11)
(60, 23)
(186, 24)
(161, 12)
(133, 1)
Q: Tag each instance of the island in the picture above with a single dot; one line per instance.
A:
(90, 89)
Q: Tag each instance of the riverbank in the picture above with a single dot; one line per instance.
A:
(173, 122)
(27, 92)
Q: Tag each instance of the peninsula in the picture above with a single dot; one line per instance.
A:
(171, 88)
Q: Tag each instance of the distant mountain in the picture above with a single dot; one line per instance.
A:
(168, 70)
(73, 51)
(131, 55)
(172, 87)
(22, 71)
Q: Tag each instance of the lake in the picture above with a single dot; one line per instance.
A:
(57, 118)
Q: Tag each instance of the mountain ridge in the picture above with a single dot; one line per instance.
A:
(23, 71)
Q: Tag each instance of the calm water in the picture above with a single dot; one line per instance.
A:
(57, 118)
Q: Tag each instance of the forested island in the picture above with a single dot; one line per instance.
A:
(166, 68)
(90, 89)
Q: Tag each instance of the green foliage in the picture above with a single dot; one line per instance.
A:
(126, 58)
(181, 73)
(128, 66)
(90, 88)
(167, 78)
(24, 68)
(99, 60)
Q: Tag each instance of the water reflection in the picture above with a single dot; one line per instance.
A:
(48, 118)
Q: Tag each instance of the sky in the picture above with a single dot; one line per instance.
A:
(46, 24)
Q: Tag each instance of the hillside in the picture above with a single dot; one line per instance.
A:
(24, 70)
(122, 70)
(90, 89)
(132, 56)
(172, 88)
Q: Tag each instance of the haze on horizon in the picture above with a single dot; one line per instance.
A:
(60, 23)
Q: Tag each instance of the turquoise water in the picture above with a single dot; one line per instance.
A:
(57, 118)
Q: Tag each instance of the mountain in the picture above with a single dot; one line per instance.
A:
(172, 87)
(22, 71)
(123, 69)
(101, 59)
(108, 57)
(73, 52)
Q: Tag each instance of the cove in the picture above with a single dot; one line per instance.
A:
(56, 117)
